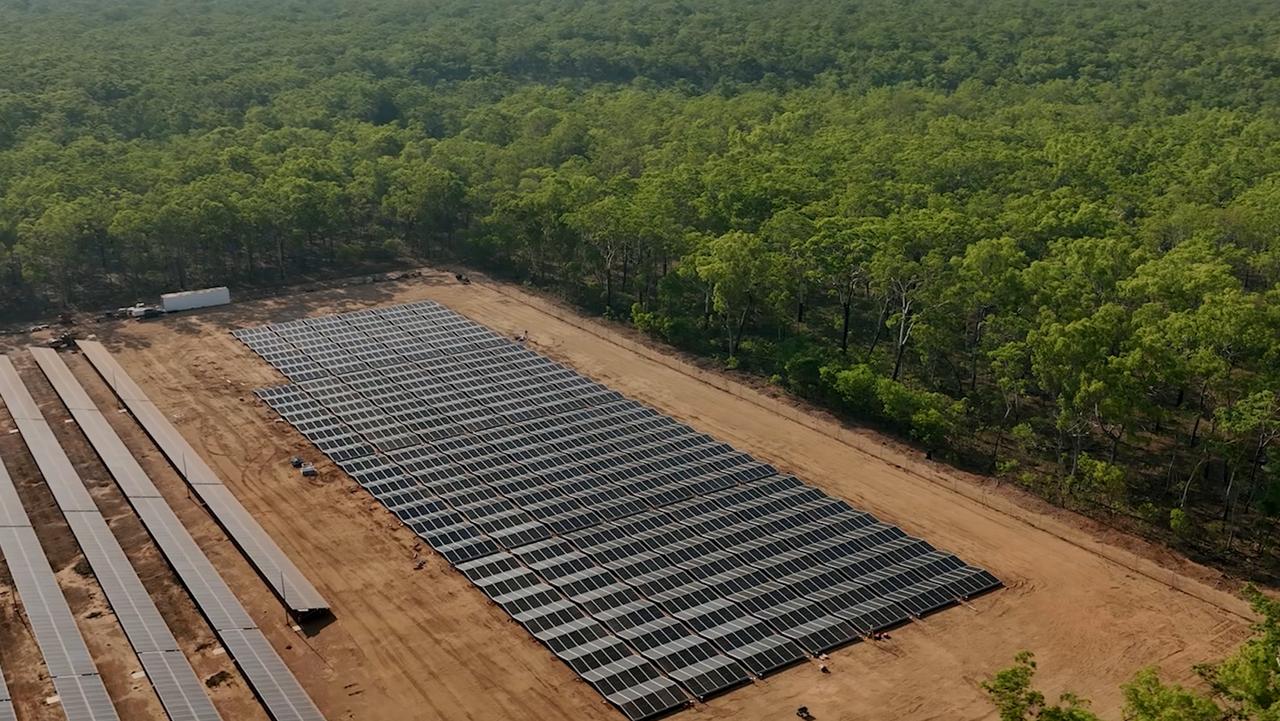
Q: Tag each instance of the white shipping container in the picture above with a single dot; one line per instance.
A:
(188, 299)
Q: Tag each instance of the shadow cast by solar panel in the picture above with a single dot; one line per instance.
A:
(722, 691)
(313, 623)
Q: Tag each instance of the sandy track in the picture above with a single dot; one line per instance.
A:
(421, 645)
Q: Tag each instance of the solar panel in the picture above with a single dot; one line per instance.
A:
(6, 702)
(143, 625)
(180, 691)
(636, 687)
(76, 679)
(51, 621)
(710, 676)
(595, 654)
(810, 625)
(597, 523)
(212, 595)
(277, 687)
(178, 688)
(272, 564)
(648, 698)
(571, 634)
(874, 615)
(83, 698)
(137, 613)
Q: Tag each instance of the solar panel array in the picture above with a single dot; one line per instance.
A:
(276, 569)
(280, 692)
(657, 562)
(6, 702)
(80, 689)
(179, 690)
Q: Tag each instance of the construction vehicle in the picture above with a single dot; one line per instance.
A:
(63, 341)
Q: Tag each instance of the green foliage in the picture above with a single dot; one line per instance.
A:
(1249, 681)
(856, 387)
(1147, 699)
(1016, 700)
(1101, 478)
(1245, 686)
(1019, 217)
(1180, 523)
(930, 418)
(803, 372)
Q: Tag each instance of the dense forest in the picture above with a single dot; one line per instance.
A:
(1037, 238)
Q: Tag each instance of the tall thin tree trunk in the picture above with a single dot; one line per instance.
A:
(279, 256)
(1186, 487)
(1195, 429)
(897, 361)
(1253, 472)
(977, 344)
(737, 335)
(1226, 497)
(844, 327)
(875, 341)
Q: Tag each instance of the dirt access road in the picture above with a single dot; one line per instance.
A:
(419, 645)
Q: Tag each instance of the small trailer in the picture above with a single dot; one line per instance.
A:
(191, 299)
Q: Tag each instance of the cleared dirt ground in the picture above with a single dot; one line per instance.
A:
(418, 645)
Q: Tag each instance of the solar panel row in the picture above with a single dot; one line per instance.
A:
(75, 678)
(271, 563)
(143, 625)
(271, 680)
(6, 703)
(655, 561)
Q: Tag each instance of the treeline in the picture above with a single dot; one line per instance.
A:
(1039, 238)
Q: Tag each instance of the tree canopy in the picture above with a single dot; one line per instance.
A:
(1040, 238)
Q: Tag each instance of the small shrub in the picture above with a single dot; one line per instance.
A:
(1023, 436)
(348, 254)
(392, 248)
(1150, 512)
(1029, 480)
(1180, 523)
(803, 373)
(855, 387)
(897, 402)
(1100, 478)
(650, 322)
